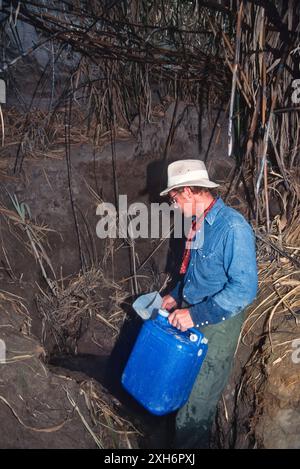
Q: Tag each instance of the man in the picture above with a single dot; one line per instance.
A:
(218, 280)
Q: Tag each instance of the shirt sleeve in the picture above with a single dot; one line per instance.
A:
(241, 286)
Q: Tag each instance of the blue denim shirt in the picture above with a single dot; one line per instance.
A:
(221, 279)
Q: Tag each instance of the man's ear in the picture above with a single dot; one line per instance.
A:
(188, 192)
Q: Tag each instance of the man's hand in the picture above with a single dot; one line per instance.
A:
(181, 319)
(168, 302)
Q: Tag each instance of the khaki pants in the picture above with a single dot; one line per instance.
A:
(194, 420)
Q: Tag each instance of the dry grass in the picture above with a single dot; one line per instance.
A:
(261, 99)
(42, 133)
(42, 402)
(269, 331)
(104, 412)
(66, 313)
(279, 282)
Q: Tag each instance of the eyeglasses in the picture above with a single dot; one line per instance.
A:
(172, 199)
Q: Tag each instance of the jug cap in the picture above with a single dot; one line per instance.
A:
(163, 312)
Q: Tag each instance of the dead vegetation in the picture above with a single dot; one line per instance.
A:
(262, 412)
(45, 407)
(66, 312)
(240, 57)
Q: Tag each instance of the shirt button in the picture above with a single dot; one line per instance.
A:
(197, 325)
(206, 322)
(202, 323)
(188, 280)
(203, 255)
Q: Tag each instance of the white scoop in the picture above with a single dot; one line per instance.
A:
(147, 305)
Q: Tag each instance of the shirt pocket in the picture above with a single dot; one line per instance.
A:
(206, 264)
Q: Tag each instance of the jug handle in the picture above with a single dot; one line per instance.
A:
(163, 316)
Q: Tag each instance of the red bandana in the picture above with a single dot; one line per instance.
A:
(194, 228)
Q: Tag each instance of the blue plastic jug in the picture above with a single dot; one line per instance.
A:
(163, 365)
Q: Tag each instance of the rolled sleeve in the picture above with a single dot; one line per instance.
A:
(208, 312)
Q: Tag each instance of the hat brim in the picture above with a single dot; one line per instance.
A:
(199, 183)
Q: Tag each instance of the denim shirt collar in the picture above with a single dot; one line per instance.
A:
(210, 217)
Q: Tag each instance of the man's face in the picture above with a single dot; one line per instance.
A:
(183, 199)
(188, 202)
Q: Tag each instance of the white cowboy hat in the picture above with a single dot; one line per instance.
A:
(187, 173)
